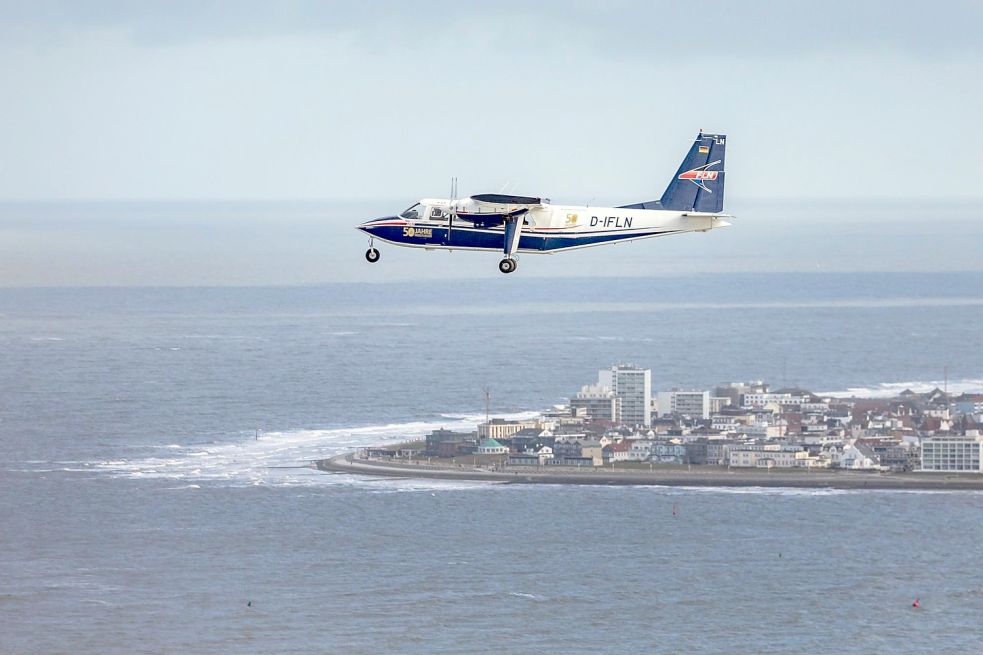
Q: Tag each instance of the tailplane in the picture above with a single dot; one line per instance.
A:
(699, 183)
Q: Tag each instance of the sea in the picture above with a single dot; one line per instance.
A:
(156, 494)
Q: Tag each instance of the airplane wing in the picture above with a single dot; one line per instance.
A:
(494, 209)
(504, 199)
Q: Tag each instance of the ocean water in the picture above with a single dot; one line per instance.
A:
(141, 513)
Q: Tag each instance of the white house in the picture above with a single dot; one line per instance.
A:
(856, 457)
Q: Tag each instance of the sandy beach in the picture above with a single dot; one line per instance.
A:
(694, 477)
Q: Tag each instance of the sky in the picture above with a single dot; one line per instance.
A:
(238, 143)
(298, 100)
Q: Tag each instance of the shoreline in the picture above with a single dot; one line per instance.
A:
(704, 477)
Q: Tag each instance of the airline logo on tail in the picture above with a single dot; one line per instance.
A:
(701, 175)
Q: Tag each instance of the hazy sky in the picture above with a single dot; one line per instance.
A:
(572, 100)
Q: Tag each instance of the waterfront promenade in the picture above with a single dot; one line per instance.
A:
(697, 476)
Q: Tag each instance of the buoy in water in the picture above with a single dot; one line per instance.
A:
(916, 604)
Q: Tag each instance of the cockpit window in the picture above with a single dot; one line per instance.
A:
(413, 213)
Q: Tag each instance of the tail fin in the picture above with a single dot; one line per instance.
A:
(699, 183)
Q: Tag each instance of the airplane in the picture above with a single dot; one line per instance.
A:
(511, 224)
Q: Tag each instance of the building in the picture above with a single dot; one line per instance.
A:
(718, 451)
(437, 437)
(717, 403)
(633, 385)
(668, 453)
(491, 447)
(969, 403)
(765, 456)
(692, 403)
(735, 390)
(530, 440)
(952, 453)
(765, 399)
(452, 448)
(761, 430)
(499, 428)
(583, 462)
(586, 450)
(621, 450)
(599, 402)
(858, 457)
(545, 454)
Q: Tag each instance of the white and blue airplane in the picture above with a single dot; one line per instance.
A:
(693, 202)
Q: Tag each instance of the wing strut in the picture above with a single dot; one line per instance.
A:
(513, 232)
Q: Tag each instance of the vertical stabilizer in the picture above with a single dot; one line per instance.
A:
(698, 185)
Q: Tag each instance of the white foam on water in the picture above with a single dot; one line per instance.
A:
(807, 492)
(285, 458)
(766, 491)
(519, 594)
(892, 389)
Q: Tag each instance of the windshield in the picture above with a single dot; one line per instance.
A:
(413, 213)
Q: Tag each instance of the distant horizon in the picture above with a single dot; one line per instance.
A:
(768, 200)
(656, 275)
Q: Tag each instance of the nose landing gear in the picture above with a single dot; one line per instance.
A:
(372, 255)
(507, 265)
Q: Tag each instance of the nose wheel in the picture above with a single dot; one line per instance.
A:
(507, 265)
(372, 255)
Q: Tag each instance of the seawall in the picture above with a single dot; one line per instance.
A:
(701, 477)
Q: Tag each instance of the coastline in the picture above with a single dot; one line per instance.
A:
(702, 477)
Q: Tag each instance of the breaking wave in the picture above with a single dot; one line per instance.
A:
(285, 458)
(892, 389)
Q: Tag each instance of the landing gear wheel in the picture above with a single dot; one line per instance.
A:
(372, 255)
(507, 265)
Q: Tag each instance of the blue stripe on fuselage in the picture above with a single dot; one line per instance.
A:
(468, 237)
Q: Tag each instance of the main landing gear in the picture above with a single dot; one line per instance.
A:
(507, 265)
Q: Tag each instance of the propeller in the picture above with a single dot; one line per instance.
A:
(452, 208)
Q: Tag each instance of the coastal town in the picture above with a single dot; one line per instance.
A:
(620, 423)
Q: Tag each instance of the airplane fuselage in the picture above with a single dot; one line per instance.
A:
(547, 228)
(512, 224)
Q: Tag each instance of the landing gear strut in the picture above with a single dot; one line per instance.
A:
(507, 265)
(372, 255)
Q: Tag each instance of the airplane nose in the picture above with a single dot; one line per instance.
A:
(369, 226)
